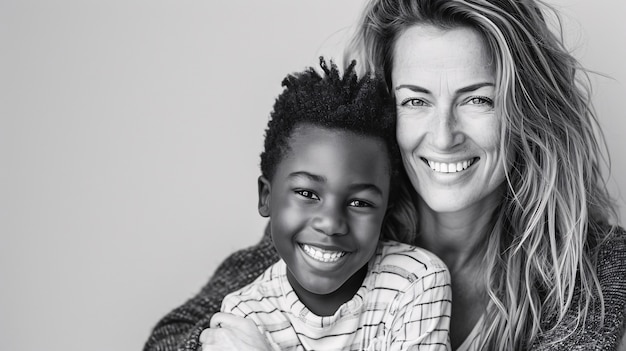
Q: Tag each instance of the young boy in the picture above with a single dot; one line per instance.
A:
(328, 170)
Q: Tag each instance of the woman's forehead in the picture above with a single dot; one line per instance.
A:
(440, 48)
(440, 57)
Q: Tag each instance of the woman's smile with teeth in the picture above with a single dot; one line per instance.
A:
(321, 254)
(452, 167)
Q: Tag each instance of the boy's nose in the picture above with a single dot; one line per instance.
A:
(331, 221)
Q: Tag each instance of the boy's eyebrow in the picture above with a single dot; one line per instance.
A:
(322, 179)
(366, 186)
(311, 176)
(471, 87)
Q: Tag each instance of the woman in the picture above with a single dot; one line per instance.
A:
(521, 228)
(502, 157)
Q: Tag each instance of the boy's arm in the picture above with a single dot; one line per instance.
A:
(422, 320)
(181, 328)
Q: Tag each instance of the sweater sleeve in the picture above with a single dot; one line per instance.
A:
(180, 329)
(611, 268)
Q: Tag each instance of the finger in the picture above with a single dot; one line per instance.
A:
(206, 337)
(228, 320)
(216, 320)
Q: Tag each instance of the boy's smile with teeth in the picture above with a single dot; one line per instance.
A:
(322, 255)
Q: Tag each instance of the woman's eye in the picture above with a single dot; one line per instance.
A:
(360, 203)
(308, 194)
(413, 102)
(480, 100)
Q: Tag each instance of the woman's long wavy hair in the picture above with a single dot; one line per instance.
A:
(539, 259)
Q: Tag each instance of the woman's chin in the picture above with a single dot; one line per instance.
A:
(449, 202)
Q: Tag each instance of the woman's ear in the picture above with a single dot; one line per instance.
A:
(264, 196)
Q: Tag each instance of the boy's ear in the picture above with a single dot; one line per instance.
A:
(264, 196)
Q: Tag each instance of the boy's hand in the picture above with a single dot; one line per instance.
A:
(232, 333)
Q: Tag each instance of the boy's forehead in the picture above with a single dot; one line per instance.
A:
(322, 141)
(310, 135)
(312, 131)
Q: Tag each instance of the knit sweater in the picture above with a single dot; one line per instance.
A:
(180, 329)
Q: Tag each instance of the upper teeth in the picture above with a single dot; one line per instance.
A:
(450, 167)
(322, 255)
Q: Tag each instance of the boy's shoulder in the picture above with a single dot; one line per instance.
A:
(413, 260)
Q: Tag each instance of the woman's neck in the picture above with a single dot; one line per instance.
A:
(460, 239)
(456, 237)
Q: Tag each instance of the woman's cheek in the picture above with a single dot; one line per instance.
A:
(410, 134)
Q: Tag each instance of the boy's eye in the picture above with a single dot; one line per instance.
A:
(360, 203)
(308, 194)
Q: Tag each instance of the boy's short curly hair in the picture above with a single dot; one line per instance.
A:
(361, 106)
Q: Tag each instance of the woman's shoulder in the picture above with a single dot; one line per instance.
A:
(611, 274)
(610, 263)
(611, 251)
(603, 326)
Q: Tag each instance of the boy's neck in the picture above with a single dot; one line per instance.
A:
(328, 304)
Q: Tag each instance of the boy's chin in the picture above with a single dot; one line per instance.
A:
(318, 287)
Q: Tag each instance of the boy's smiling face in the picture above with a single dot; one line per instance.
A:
(327, 200)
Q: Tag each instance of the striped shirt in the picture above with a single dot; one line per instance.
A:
(404, 303)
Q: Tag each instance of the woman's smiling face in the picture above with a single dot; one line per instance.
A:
(447, 130)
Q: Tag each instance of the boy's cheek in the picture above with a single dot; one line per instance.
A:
(288, 221)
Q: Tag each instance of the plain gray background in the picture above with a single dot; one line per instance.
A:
(129, 141)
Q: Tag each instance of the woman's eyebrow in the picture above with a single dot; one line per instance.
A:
(473, 87)
(415, 88)
(418, 89)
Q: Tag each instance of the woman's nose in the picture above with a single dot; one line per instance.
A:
(331, 220)
(445, 132)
